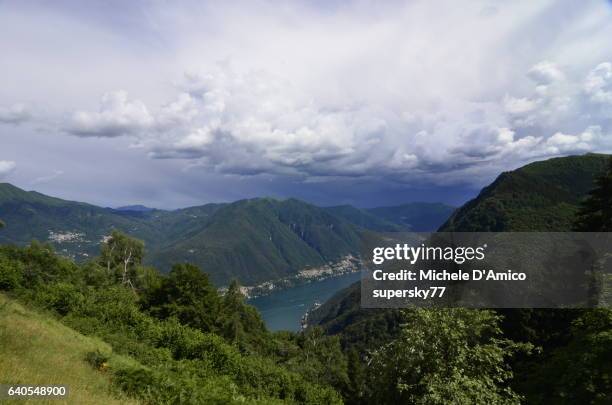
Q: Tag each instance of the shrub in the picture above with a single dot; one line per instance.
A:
(11, 272)
(97, 359)
(61, 297)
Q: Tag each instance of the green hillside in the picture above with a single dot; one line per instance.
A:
(363, 218)
(541, 196)
(263, 239)
(35, 349)
(253, 240)
(76, 227)
(162, 339)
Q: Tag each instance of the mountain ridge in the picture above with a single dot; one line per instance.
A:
(254, 240)
(550, 196)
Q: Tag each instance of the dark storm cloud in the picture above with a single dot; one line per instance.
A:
(171, 104)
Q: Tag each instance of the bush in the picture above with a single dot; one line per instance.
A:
(97, 359)
(172, 359)
(11, 272)
(61, 297)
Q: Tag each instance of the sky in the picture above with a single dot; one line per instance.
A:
(172, 104)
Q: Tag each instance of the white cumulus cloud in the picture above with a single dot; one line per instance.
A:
(598, 84)
(117, 115)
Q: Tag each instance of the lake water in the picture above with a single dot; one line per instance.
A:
(282, 310)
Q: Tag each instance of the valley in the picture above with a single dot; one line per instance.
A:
(264, 243)
(303, 326)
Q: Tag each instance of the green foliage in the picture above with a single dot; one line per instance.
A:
(121, 255)
(61, 297)
(38, 350)
(321, 359)
(173, 330)
(445, 356)
(187, 295)
(595, 214)
(275, 237)
(579, 372)
(97, 359)
(364, 218)
(11, 273)
(542, 196)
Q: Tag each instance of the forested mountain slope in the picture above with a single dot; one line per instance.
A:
(252, 240)
(542, 196)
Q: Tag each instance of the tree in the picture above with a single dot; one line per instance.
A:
(240, 323)
(579, 371)
(321, 359)
(595, 214)
(233, 301)
(122, 254)
(188, 295)
(442, 356)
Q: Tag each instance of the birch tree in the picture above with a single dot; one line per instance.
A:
(122, 254)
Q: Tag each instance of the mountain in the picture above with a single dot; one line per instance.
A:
(263, 239)
(135, 208)
(253, 240)
(363, 218)
(75, 228)
(416, 216)
(541, 196)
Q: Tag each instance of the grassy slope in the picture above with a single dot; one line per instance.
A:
(35, 349)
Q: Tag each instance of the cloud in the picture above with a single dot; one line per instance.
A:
(395, 93)
(116, 116)
(598, 84)
(6, 168)
(253, 123)
(546, 72)
(15, 114)
(519, 106)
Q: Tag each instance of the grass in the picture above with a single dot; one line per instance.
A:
(35, 349)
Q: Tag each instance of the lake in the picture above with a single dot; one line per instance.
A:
(283, 309)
